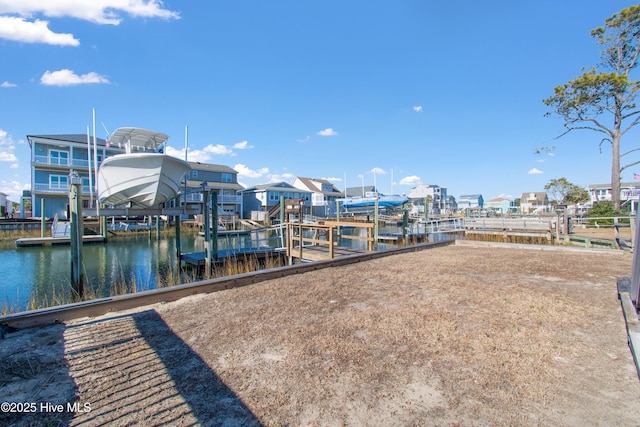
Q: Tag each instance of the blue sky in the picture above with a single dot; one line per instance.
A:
(392, 93)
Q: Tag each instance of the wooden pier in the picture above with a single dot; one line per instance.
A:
(56, 241)
(198, 260)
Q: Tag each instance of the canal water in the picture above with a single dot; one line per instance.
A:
(32, 277)
(136, 262)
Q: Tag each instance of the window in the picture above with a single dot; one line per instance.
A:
(59, 157)
(59, 182)
(194, 173)
(227, 177)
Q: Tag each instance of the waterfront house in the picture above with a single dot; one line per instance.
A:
(499, 205)
(629, 193)
(323, 195)
(470, 201)
(437, 195)
(53, 158)
(534, 202)
(5, 209)
(360, 191)
(262, 202)
(451, 204)
(219, 179)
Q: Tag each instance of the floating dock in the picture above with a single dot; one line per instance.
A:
(198, 259)
(56, 241)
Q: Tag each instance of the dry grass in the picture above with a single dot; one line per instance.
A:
(450, 336)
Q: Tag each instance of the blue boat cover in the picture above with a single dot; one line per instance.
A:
(383, 201)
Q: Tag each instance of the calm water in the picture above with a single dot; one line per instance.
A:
(137, 261)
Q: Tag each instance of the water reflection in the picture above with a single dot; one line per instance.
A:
(135, 263)
(125, 264)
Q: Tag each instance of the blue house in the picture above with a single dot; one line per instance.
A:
(53, 158)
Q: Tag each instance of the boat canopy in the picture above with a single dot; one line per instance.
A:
(383, 201)
(140, 139)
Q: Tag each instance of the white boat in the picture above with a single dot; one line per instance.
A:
(143, 176)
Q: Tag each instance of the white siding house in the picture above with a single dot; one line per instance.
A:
(470, 201)
(629, 193)
(323, 195)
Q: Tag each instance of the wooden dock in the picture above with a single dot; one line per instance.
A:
(321, 252)
(198, 259)
(56, 241)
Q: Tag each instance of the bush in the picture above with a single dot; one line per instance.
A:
(605, 209)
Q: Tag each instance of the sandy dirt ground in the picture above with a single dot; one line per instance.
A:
(452, 336)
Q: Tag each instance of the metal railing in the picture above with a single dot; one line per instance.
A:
(58, 189)
(67, 163)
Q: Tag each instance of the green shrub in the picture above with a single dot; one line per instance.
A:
(605, 209)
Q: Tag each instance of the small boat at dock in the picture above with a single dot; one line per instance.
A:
(143, 176)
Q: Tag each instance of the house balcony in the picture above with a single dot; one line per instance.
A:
(61, 163)
(222, 199)
(58, 189)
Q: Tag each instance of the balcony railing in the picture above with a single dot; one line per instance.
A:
(66, 163)
(58, 189)
(226, 199)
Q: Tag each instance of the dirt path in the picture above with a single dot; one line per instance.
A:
(450, 336)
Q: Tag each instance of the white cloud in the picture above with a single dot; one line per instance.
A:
(333, 179)
(18, 22)
(17, 29)
(6, 156)
(305, 139)
(7, 84)
(13, 189)
(535, 171)
(242, 145)
(244, 171)
(175, 152)
(378, 171)
(98, 12)
(418, 108)
(410, 180)
(69, 78)
(205, 155)
(219, 150)
(327, 132)
(281, 177)
(7, 146)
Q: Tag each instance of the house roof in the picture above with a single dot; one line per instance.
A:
(78, 138)
(537, 195)
(275, 186)
(311, 184)
(608, 186)
(212, 167)
(194, 183)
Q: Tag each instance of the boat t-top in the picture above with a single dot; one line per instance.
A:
(143, 176)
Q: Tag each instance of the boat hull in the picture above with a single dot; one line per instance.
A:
(145, 180)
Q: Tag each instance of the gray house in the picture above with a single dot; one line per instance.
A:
(261, 202)
(219, 179)
(361, 191)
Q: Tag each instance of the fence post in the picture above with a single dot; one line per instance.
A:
(76, 232)
(635, 269)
